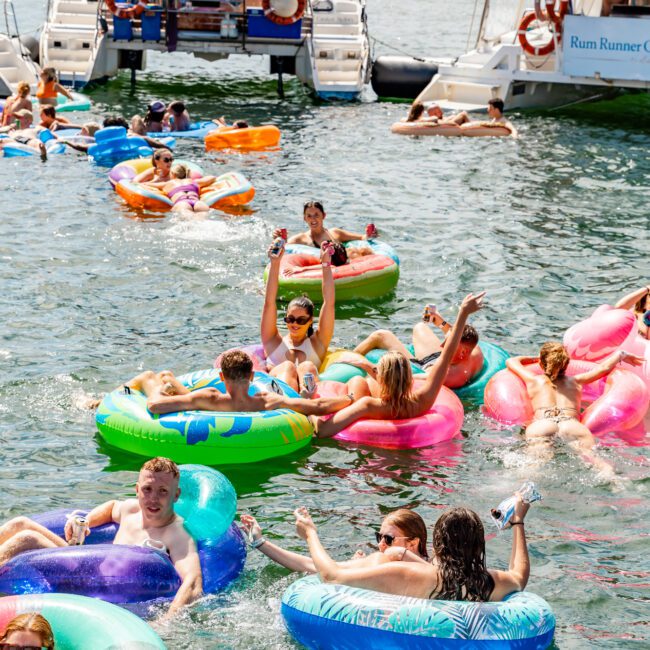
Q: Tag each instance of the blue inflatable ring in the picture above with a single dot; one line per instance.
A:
(335, 617)
(133, 574)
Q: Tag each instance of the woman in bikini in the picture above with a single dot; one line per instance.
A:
(317, 235)
(556, 398)
(457, 570)
(639, 302)
(184, 191)
(302, 349)
(390, 393)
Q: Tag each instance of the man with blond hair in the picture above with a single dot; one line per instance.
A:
(147, 520)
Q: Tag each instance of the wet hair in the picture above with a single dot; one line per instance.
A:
(180, 170)
(22, 89)
(236, 365)
(412, 525)
(416, 111)
(497, 103)
(313, 204)
(115, 120)
(459, 552)
(241, 124)
(50, 73)
(177, 108)
(49, 111)
(395, 379)
(554, 359)
(161, 464)
(304, 303)
(469, 336)
(31, 622)
(91, 128)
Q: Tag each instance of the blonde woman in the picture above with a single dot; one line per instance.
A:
(391, 395)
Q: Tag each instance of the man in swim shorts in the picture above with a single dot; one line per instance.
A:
(147, 520)
(167, 395)
(465, 364)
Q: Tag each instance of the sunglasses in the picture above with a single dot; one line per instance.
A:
(389, 539)
(300, 320)
(166, 159)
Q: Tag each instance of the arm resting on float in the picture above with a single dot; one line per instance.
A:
(627, 302)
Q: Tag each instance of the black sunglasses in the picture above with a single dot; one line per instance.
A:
(389, 539)
(301, 320)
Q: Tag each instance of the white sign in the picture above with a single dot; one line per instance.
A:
(610, 48)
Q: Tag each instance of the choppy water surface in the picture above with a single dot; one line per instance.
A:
(551, 225)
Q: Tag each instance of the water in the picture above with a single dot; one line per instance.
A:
(551, 226)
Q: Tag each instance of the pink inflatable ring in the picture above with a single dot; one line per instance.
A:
(439, 424)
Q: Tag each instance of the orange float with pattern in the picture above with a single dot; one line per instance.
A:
(270, 13)
(250, 138)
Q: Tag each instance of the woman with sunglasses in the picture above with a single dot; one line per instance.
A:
(404, 528)
(27, 632)
(302, 349)
(160, 170)
(317, 235)
(457, 571)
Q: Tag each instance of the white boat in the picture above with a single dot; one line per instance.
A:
(548, 53)
(327, 48)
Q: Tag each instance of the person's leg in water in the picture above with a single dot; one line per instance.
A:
(383, 340)
(287, 372)
(425, 342)
(578, 436)
(22, 534)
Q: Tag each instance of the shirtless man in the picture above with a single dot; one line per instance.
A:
(167, 395)
(150, 516)
(556, 398)
(465, 364)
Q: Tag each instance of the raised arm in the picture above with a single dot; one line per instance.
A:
(427, 393)
(269, 325)
(627, 302)
(607, 366)
(326, 317)
(518, 366)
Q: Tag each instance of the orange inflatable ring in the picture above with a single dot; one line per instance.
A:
(131, 12)
(250, 138)
(555, 19)
(269, 12)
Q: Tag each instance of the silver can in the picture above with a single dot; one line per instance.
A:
(79, 527)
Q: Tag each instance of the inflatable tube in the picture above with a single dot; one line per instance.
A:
(129, 169)
(367, 276)
(79, 623)
(494, 359)
(335, 617)
(441, 423)
(401, 77)
(78, 102)
(133, 574)
(480, 129)
(251, 139)
(618, 401)
(606, 331)
(209, 437)
(196, 130)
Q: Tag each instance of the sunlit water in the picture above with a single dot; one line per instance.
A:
(550, 225)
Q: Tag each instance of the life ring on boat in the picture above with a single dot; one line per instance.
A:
(274, 17)
(131, 12)
(551, 17)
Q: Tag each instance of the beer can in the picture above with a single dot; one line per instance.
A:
(308, 382)
(79, 527)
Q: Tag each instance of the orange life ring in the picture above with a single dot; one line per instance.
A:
(132, 12)
(550, 16)
(269, 12)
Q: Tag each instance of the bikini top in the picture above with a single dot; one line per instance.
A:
(46, 90)
(340, 256)
(279, 355)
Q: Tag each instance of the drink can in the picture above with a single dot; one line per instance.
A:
(429, 311)
(79, 527)
(309, 382)
(502, 514)
(371, 230)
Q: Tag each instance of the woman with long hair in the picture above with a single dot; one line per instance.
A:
(556, 399)
(391, 394)
(28, 631)
(303, 348)
(400, 530)
(457, 570)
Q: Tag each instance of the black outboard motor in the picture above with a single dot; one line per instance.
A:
(402, 77)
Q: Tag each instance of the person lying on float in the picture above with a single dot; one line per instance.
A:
(149, 519)
(392, 395)
(466, 363)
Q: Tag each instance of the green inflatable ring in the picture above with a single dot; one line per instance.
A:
(204, 437)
